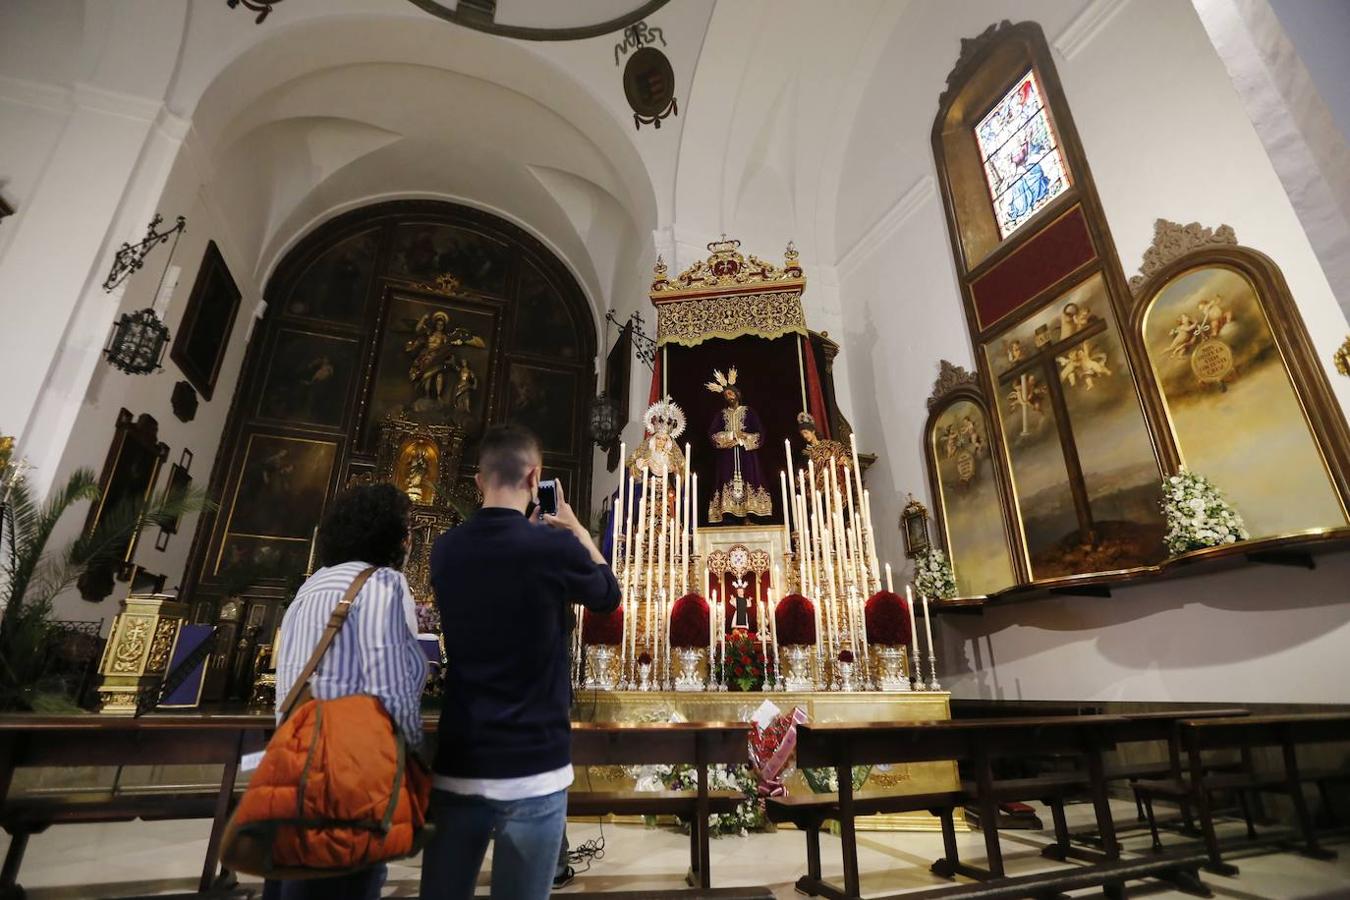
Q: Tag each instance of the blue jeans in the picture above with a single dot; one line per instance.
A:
(526, 835)
(363, 885)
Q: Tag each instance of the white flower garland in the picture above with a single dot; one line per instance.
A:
(933, 576)
(1198, 515)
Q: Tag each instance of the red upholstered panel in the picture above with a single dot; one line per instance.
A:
(1061, 247)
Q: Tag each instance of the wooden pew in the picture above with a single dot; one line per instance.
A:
(978, 742)
(1244, 734)
(1161, 727)
(698, 744)
(32, 741)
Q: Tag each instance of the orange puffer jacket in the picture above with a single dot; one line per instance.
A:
(336, 791)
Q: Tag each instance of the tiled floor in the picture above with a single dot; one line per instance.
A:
(97, 861)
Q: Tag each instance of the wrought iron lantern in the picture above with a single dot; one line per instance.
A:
(137, 343)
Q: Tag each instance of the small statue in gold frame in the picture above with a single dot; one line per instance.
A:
(914, 525)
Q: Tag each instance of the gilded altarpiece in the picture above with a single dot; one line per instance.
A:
(420, 321)
(1045, 300)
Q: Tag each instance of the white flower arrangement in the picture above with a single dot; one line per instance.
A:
(749, 816)
(1198, 515)
(933, 576)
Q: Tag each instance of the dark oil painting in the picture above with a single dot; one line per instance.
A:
(333, 287)
(422, 252)
(542, 400)
(434, 365)
(543, 325)
(309, 378)
(282, 488)
(204, 332)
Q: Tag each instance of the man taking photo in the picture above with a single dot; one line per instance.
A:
(503, 584)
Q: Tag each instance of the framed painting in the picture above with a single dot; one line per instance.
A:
(423, 252)
(434, 363)
(1214, 355)
(1084, 475)
(177, 487)
(333, 287)
(543, 325)
(967, 493)
(277, 503)
(309, 378)
(204, 332)
(543, 400)
(128, 479)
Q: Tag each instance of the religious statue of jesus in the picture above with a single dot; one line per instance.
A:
(739, 489)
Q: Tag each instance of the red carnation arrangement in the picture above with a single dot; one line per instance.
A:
(741, 667)
(846, 656)
(796, 620)
(597, 628)
(887, 617)
(644, 658)
(689, 622)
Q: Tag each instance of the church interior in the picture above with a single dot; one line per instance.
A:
(958, 393)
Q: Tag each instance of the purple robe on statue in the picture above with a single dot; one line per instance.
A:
(735, 431)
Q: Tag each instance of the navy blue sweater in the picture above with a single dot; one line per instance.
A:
(503, 586)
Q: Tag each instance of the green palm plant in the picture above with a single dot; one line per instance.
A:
(31, 576)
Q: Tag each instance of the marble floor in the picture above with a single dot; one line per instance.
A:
(148, 858)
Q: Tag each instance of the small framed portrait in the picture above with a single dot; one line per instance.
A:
(914, 526)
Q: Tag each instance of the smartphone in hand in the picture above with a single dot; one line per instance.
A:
(548, 497)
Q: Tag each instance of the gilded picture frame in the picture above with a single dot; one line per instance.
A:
(1213, 324)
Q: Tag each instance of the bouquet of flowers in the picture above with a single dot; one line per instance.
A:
(933, 577)
(826, 781)
(1198, 514)
(428, 618)
(771, 750)
(742, 665)
(748, 816)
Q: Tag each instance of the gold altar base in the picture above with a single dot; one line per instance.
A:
(820, 706)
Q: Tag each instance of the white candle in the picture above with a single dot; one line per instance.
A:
(857, 469)
(787, 518)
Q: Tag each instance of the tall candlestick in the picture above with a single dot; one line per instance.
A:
(932, 652)
(917, 673)
(777, 586)
(803, 535)
(857, 469)
(712, 630)
(787, 517)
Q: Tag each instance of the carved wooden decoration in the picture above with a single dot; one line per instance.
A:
(950, 377)
(1172, 240)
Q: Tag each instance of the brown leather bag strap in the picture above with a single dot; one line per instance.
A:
(335, 621)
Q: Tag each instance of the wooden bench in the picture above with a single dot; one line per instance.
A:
(1197, 785)
(28, 741)
(699, 745)
(978, 742)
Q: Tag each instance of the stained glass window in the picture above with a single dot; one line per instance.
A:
(1022, 162)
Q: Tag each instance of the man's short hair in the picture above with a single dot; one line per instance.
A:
(506, 454)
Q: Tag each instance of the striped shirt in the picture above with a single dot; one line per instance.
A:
(375, 651)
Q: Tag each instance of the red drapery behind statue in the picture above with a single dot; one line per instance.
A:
(771, 374)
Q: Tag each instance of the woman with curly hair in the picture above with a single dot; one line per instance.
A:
(374, 653)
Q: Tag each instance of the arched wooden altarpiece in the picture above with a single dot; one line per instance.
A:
(445, 317)
(1088, 399)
